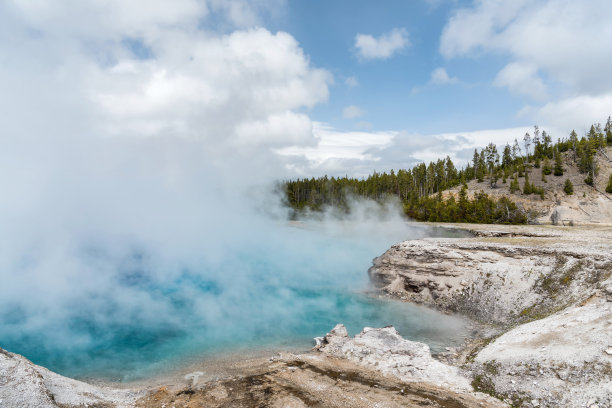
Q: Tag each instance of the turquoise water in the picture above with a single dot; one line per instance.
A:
(133, 312)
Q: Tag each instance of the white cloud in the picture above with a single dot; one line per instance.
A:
(522, 78)
(351, 82)
(563, 44)
(106, 155)
(206, 88)
(364, 125)
(141, 18)
(410, 149)
(352, 112)
(335, 148)
(246, 13)
(480, 138)
(577, 113)
(439, 76)
(74, 80)
(365, 151)
(106, 19)
(383, 47)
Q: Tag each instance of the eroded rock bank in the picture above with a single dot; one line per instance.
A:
(546, 291)
(26, 385)
(490, 281)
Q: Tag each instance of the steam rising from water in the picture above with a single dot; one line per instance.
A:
(118, 261)
(137, 223)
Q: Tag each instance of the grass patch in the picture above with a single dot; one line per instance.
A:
(481, 344)
(559, 278)
(491, 367)
(540, 311)
(483, 383)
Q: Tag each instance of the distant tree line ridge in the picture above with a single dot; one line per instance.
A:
(420, 188)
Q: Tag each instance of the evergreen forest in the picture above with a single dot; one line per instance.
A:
(421, 188)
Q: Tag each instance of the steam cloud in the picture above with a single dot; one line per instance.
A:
(136, 165)
(137, 247)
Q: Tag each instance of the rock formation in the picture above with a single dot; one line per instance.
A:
(385, 350)
(558, 361)
(548, 294)
(495, 281)
(26, 385)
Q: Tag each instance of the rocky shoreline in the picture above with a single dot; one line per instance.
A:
(542, 294)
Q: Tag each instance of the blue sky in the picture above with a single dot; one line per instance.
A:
(494, 83)
(396, 92)
(306, 87)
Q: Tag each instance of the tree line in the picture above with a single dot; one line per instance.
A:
(420, 188)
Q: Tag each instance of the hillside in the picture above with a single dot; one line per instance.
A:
(588, 204)
(566, 180)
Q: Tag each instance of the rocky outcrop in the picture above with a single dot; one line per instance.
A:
(25, 385)
(386, 351)
(564, 360)
(491, 281)
(549, 290)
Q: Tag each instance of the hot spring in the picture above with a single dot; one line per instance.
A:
(129, 312)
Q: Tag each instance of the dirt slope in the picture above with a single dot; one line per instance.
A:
(588, 205)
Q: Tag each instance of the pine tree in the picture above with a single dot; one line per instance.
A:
(514, 185)
(609, 186)
(568, 187)
(482, 167)
(516, 150)
(558, 163)
(536, 163)
(527, 141)
(507, 156)
(546, 144)
(527, 188)
(492, 159)
(574, 144)
(546, 167)
(464, 204)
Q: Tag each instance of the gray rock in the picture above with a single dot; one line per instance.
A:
(386, 351)
(333, 340)
(24, 384)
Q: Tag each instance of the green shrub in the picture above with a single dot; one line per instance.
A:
(568, 187)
